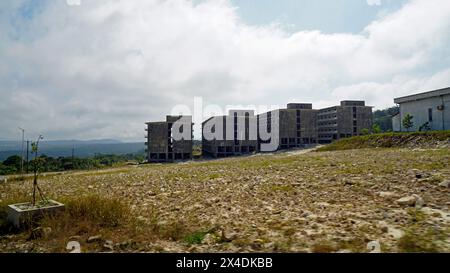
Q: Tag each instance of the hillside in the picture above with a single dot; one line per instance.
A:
(438, 139)
(290, 202)
(82, 148)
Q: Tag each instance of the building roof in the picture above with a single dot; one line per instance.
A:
(425, 95)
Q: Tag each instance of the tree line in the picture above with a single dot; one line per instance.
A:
(13, 164)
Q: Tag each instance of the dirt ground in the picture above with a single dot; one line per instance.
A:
(290, 202)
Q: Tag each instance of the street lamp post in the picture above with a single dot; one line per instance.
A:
(22, 156)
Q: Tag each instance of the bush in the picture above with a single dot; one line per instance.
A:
(417, 242)
(195, 238)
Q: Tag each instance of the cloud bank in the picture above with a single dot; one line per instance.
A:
(103, 68)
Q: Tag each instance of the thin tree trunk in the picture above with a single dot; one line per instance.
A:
(34, 182)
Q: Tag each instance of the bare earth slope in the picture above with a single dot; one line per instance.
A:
(289, 202)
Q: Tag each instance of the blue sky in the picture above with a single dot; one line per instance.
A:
(328, 16)
(73, 71)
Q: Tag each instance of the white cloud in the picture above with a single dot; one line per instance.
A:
(373, 2)
(73, 2)
(103, 68)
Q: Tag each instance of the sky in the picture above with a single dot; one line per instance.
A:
(77, 69)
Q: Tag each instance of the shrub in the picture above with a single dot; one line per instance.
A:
(414, 242)
(195, 238)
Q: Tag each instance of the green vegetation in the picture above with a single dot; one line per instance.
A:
(50, 164)
(376, 129)
(418, 237)
(195, 238)
(388, 140)
(408, 122)
(383, 119)
(196, 148)
(425, 127)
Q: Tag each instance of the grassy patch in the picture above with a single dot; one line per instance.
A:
(414, 240)
(175, 230)
(418, 236)
(356, 245)
(282, 188)
(13, 198)
(324, 247)
(105, 212)
(195, 238)
(87, 215)
(387, 140)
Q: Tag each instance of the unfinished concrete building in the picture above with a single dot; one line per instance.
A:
(232, 135)
(296, 125)
(346, 120)
(170, 140)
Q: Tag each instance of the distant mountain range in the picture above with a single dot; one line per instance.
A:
(82, 148)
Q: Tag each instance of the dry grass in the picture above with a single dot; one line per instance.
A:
(13, 197)
(324, 247)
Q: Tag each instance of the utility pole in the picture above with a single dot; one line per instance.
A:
(22, 156)
(28, 162)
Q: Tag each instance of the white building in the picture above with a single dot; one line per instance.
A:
(430, 109)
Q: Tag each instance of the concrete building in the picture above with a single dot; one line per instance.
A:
(170, 140)
(240, 132)
(430, 109)
(297, 125)
(345, 120)
(230, 135)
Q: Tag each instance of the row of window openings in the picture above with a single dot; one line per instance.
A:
(355, 130)
(269, 127)
(170, 156)
(243, 149)
(326, 116)
(327, 123)
(327, 110)
(327, 130)
(285, 141)
(334, 136)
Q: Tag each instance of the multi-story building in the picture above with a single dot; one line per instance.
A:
(230, 135)
(170, 140)
(296, 125)
(430, 110)
(346, 120)
(240, 132)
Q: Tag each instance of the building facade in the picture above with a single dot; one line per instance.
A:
(230, 135)
(346, 120)
(430, 111)
(170, 140)
(242, 132)
(296, 125)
